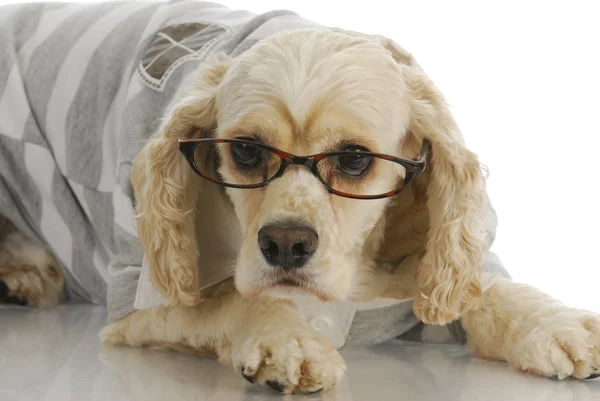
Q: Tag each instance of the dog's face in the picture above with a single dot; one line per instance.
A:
(305, 93)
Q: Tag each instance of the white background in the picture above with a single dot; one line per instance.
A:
(523, 81)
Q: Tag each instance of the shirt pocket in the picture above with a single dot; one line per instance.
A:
(175, 44)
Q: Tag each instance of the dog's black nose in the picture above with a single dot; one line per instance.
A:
(287, 246)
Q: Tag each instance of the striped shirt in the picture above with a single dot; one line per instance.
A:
(81, 89)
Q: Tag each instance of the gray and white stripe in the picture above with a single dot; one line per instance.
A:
(77, 102)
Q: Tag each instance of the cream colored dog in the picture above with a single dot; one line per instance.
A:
(308, 92)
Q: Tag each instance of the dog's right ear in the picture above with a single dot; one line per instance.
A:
(166, 191)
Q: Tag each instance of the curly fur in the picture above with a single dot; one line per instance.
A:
(165, 188)
(449, 275)
(306, 91)
(166, 192)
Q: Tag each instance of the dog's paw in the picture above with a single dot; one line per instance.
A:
(288, 363)
(565, 345)
(31, 286)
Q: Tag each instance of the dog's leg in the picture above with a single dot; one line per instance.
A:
(264, 338)
(29, 275)
(534, 332)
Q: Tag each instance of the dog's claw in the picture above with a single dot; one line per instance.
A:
(250, 378)
(555, 377)
(590, 377)
(4, 290)
(275, 385)
(5, 298)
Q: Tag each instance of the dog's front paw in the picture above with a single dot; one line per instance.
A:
(564, 345)
(34, 286)
(288, 362)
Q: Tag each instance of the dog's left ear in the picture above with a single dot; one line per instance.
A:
(449, 272)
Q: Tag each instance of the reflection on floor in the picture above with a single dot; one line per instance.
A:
(55, 355)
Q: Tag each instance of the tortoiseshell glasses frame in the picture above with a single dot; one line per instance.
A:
(413, 168)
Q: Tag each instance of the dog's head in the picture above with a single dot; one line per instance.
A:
(304, 93)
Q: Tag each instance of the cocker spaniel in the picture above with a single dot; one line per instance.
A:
(331, 155)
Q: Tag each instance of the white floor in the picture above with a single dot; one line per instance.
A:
(55, 355)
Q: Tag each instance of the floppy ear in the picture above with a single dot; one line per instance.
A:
(448, 274)
(449, 271)
(166, 191)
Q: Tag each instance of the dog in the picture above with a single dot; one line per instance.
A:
(334, 158)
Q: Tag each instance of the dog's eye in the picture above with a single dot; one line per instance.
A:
(354, 165)
(246, 155)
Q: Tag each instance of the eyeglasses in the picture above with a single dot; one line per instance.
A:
(351, 173)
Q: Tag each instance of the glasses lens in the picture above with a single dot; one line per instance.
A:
(361, 174)
(236, 163)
